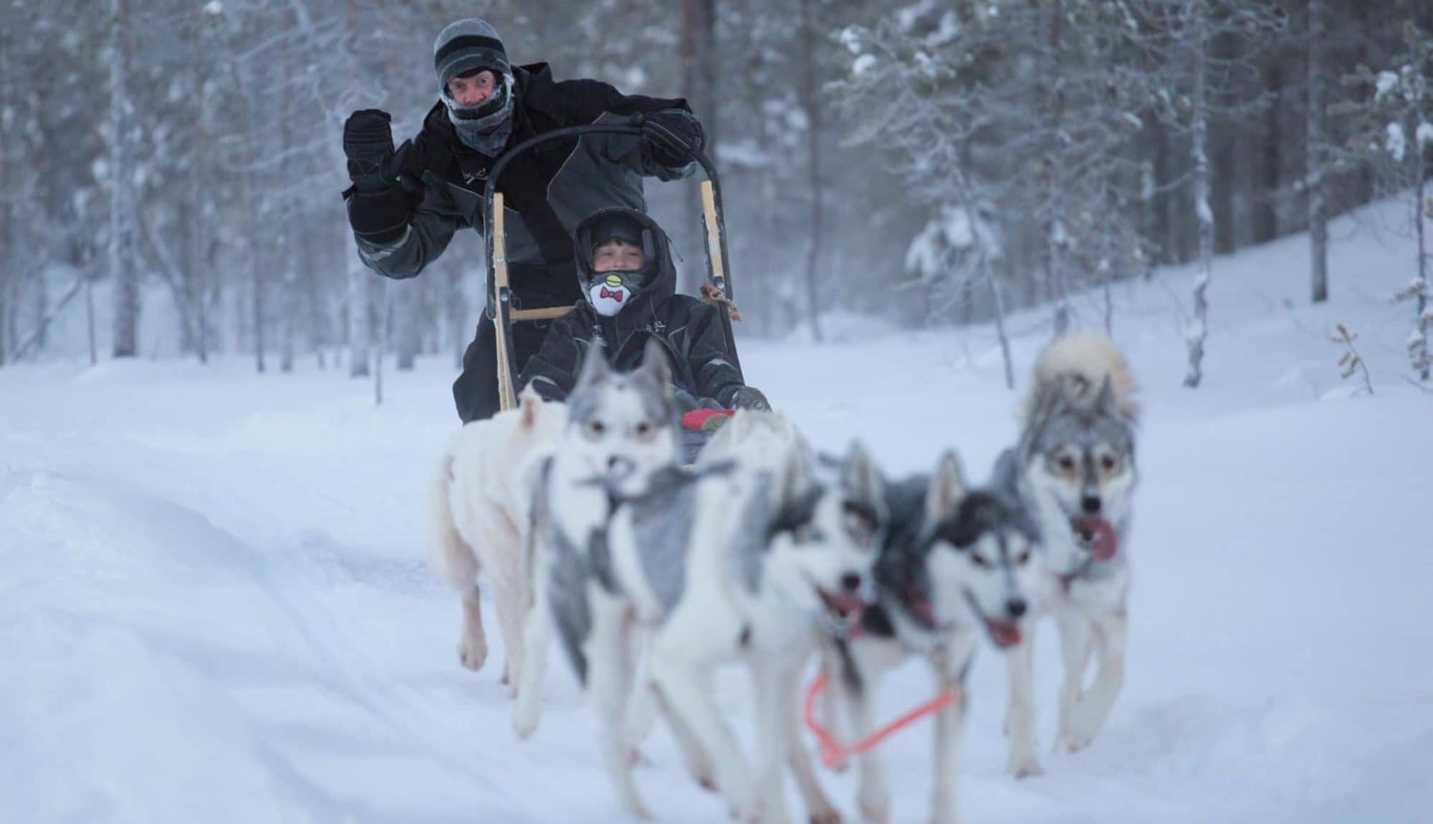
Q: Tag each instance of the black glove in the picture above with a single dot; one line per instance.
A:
(672, 138)
(383, 194)
(749, 397)
(368, 144)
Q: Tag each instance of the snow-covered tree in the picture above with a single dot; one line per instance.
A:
(1394, 120)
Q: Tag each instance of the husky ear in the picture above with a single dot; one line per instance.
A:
(655, 364)
(860, 477)
(531, 405)
(594, 366)
(947, 489)
(794, 475)
(1105, 402)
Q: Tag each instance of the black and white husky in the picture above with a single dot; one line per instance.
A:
(1074, 468)
(958, 565)
(745, 556)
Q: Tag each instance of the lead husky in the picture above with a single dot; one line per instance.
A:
(714, 563)
(958, 565)
(1074, 466)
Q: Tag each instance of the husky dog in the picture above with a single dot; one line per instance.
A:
(1074, 467)
(720, 562)
(478, 516)
(958, 565)
(620, 428)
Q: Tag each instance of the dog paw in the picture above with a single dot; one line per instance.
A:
(827, 816)
(473, 652)
(1072, 740)
(524, 721)
(1025, 766)
(875, 810)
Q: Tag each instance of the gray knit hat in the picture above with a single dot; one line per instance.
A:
(467, 45)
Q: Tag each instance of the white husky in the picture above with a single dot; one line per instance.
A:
(478, 517)
(729, 560)
(1074, 468)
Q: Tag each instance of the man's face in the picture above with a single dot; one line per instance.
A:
(617, 256)
(470, 91)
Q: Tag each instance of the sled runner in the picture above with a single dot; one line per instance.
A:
(716, 289)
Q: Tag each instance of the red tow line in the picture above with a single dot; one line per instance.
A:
(834, 752)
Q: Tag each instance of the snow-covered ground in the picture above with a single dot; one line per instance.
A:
(214, 603)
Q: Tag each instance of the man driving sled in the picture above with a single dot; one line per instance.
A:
(405, 205)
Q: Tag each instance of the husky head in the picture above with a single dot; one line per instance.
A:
(1077, 468)
(825, 535)
(962, 557)
(621, 426)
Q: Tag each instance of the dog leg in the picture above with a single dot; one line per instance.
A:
(1020, 713)
(473, 648)
(950, 727)
(1075, 651)
(768, 681)
(686, 688)
(698, 761)
(609, 679)
(873, 794)
(819, 809)
(642, 707)
(537, 635)
(832, 699)
(1091, 711)
(510, 601)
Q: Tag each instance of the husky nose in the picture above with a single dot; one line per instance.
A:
(851, 582)
(618, 465)
(1091, 504)
(1016, 607)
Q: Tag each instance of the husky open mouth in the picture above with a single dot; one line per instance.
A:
(1096, 535)
(844, 607)
(1003, 634)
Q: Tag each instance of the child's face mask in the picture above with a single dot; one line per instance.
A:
(611, 291)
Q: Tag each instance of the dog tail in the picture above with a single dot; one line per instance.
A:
(1079, 363)
(450, 555)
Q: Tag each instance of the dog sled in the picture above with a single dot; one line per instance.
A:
(716, 289)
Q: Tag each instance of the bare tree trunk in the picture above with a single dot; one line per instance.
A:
(1054, 231)
(385, 321)
(1418, 342)
(813, 156)
(998, 301)
(1266, 212)
(407, 317)
(1318, 189)
(122, 199)
(1199, 325)
(358, 326)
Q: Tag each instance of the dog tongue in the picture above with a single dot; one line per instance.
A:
(1104, 543)
(1005, 635)
(846, 604)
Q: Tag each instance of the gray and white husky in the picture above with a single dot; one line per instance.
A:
(958, 565)
(1074, 467)
(734, 559)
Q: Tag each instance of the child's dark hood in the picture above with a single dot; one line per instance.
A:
(647, 301)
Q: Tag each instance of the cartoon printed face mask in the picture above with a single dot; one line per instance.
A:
(611, 291)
